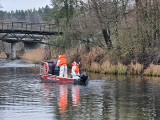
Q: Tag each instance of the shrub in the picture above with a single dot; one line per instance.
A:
(135, 69)
(105, 66)
(152, 70)
(121, 69)
(95, 67)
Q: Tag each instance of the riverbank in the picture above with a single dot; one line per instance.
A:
(96, 61)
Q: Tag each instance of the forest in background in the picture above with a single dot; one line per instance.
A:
(108, 36)
(34, 16)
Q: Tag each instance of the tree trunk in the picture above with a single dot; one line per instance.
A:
(106, 36)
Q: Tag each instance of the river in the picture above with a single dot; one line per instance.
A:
(24, 97)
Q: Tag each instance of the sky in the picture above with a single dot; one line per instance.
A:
(9, 5)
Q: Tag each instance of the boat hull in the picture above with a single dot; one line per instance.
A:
(55, 79)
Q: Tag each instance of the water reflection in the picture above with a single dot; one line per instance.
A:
(23, 97)
(67, 96)
(63, 100)
(75, 95)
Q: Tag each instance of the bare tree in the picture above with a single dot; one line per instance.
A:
(97, 5)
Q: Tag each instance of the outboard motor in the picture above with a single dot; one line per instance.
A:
(84, 78)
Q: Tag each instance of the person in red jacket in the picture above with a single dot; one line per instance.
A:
(75, 70)
(62, 63)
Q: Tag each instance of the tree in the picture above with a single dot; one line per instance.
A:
(1, 12)
(97, 4)
(62, 14)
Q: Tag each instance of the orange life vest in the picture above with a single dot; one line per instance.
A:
(63, 60)
(77, 68)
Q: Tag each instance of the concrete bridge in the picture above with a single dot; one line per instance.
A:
(28, 33)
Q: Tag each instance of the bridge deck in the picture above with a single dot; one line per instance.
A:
(28, 28)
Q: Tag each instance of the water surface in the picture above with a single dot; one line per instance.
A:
(23, 97)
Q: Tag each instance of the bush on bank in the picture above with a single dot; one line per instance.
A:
(132, 69)
(95, 61)
(106, 65)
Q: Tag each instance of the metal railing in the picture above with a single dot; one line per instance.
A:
(25, 26)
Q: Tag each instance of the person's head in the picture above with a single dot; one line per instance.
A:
(76, 62)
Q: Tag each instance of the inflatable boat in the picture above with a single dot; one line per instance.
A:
(49, 72)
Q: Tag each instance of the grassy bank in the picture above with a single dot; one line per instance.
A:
(95, 61)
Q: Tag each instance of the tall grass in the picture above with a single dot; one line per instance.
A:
(95, 67)
(135, 69)
(35, 56)
(107, 67)
(112, 69)
(89, 63)
(88, 60)
(152, 70)
(121, 69)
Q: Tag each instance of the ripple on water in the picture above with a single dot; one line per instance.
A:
(22, 97)
(14, 63)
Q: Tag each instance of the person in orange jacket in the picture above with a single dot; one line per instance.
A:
(75, 70)
(62, 63)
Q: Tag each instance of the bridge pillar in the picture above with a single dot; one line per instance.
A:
(13, 50)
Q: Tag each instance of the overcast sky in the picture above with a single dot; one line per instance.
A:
(9, 5)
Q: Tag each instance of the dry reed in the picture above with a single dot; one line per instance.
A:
(88, 63)
(95, 67)
(34, 56)
(105, 67)
(152, 70)
(121, 69)
(135, 69)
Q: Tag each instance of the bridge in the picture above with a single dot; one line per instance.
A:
(13, 32)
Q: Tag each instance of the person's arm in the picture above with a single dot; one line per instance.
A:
(73, 70)
(78, 74)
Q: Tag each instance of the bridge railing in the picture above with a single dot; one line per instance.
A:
(25, 26)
